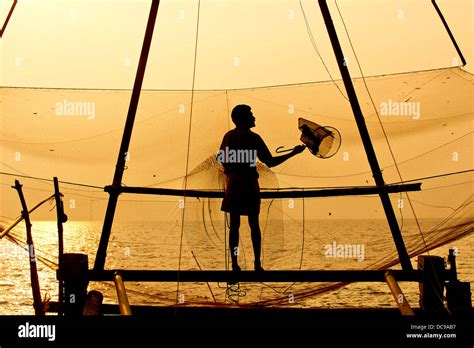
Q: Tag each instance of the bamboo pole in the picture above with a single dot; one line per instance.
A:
(17, 221)
(61, 217)
(365, 136)
(12, 8)
(35, 287)
(126, 137)
(122, 295)
(398, 295)
(451, 36)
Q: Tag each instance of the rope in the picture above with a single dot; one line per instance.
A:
(228, 109)
(234, 293)
(456, 69)
(226, 255)
(313, 43)
(169, 201)
(207, 283)
(188, 148)
(302, 238)
(50, 180)
(384, 133)
(302, 247)
(115, 130)
(436, 176)
(378, 117)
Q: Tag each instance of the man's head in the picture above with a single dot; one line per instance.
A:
(243, 117)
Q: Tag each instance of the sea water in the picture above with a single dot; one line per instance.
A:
(315, 245)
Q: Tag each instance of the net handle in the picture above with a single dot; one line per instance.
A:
(281, 149)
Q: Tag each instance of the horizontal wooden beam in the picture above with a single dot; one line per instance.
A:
(268, 194)
(221, 313)
(252, 276)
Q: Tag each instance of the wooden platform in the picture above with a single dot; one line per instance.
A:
(252, 276)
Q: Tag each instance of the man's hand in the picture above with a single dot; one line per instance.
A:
(298, 149)
(274, 161)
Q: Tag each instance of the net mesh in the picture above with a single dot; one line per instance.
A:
(322, 142)
(297, 233)
(72, 129)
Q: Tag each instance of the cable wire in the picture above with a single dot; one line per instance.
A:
(188, 147)
(313, 43)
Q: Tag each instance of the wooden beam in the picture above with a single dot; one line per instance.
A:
(73, 272)
(35, 286)
(61, 217)
(331, 192)
(252, 276)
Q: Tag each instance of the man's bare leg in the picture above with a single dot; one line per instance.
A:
(256, 239)
(234, 240)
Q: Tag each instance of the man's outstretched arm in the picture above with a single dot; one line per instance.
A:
(277, 160)
(271, 161)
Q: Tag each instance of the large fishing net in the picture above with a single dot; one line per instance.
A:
(421, 129)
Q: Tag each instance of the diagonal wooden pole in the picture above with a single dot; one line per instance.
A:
(61, 218)
(4, 27)
(448, 30)
(364, 134)
(127, 135)
(18, 220)
(35, 287)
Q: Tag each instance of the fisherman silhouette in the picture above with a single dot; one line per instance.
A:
(238, 154)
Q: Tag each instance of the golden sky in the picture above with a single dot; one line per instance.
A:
(96, 43)
(247, 43)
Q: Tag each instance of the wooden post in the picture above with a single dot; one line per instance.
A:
(432, 285)
(61, 218)
(35, 287)
(73, 271)
(93, 305)
(452, 263)
(398, 295)
(458, 294)
(122, 295)
(458, 297)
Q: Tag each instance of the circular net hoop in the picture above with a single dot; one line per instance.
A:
(322, 141)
